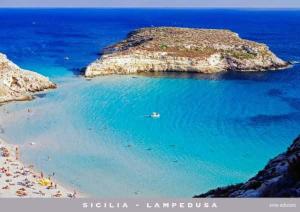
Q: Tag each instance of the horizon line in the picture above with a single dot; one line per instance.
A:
(140, 7)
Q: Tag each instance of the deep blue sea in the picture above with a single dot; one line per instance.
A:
(214, 130)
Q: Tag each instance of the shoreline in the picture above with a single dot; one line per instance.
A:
(19, 180)
(279, 178)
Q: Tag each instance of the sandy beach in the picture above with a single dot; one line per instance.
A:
(18, 180)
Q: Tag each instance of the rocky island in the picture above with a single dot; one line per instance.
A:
(165, 49)
(17, 84)
(280, 178)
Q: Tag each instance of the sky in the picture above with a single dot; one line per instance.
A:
(153, 3)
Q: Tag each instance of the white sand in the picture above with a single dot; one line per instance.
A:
(15, 176)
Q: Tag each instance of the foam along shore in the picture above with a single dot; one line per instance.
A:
(18, 180)
(163, 49)
(17, 84)
(280, 178)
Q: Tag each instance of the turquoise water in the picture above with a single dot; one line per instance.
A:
(214, 130)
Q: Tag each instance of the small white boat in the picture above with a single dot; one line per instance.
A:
(155, 115)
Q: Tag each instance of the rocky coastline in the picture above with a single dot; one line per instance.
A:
(169, 49)
(16, 179)
(280, 178)
(17, 84)
(162, 49)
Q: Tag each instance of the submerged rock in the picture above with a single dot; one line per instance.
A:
(280, 178)
(17, 84)
(184, 50)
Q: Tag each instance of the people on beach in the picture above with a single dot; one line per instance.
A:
(17, 153)
(5, 152)
(74, 194)
(22, 181)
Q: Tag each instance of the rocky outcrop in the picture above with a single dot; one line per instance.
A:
(280, 178)
(17, 84)
(184, 50)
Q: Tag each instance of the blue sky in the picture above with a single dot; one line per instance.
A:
(153, 3)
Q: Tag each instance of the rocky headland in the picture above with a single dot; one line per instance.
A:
(280, 178)
(17, 84)
(165, 49)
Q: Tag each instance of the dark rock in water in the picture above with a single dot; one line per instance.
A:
(40, 95)
(280, 178)
(78, 71)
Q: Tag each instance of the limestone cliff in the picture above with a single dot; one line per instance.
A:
(184, 50)
(17, 84)
(280, 178)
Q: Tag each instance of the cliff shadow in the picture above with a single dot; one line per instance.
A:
(225, 75)
(78, 71)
